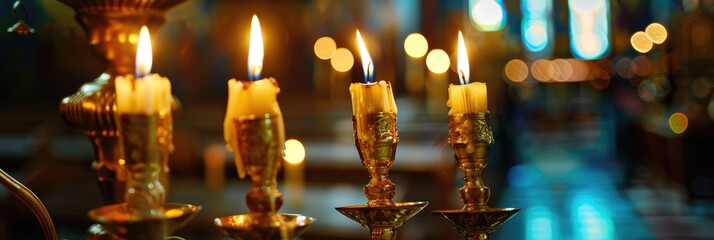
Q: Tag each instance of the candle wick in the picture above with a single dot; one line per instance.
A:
(370, 73)
(462, 77)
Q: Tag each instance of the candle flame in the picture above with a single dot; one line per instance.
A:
(462, 61)
(367, 64)
(255, 52)
(144, 56)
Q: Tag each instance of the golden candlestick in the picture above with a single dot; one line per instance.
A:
(259, 149)
(144, 215)
(376, 139)
(112, 27)
(470, 136)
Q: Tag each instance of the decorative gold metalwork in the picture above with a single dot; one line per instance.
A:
(382, 220)
(30, 200)
(112, 28)
(259, 147)
(244, 226)
(376, 139)
(470, 136)
(20, 27)
(139, 141)
(119, 219)
(144, 215)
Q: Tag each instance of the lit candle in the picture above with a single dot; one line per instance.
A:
(370, 97)
(250, 99)
(144, 118)
(466, 97)
(146, 93)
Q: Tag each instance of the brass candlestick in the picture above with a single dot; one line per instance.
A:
(470, 136)
(376, 138)
(259, 149)
(144, 215)
(112, 28)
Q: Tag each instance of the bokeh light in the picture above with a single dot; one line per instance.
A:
(488, 15)
(325, 47)
(581, 70)
(678, 122)
(542, 70)
(516, 70)
(656, 32)
(563, 69)
(641, 42)
(701, 87)
(648, 90)
(624, 68)
(294, 151)
(589, 28)
(416, 45)
(438, 61)
(342, 60)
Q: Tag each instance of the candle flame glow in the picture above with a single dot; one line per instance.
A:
(294, 151)
(255, 52)
(462, 61)
(367, 64)
(144, 56)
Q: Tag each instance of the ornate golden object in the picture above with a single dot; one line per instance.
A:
(470, 136)
(30, 199)
(259, 147)
(144, 215)
(112, 28)
(119, 220)
(376, 139)
(20, 27)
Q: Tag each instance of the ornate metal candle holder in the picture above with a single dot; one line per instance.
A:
(259, 149)
(470, 136)
(112, 28)
(376, 138)
(144, 214)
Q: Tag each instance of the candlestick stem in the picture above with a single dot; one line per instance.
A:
(145, 194)
(470, 136)
(478, 236)
(382, 233)
(376, 138)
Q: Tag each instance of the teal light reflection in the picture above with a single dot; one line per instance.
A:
(591, 217)
(487, 15)
(537, 28)
(541, 224)
(589, 28)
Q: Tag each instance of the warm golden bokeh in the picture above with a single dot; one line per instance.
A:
(516, 70)
(641, 42)
(294, 151)
(438, 61)
(656, 32)
(415, 45)
(342, 60)
(325, 47)
(678, 122)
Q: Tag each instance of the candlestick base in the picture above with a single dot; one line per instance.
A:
(382, 220)
(478, 224)
(118, 220)
(249, 227)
